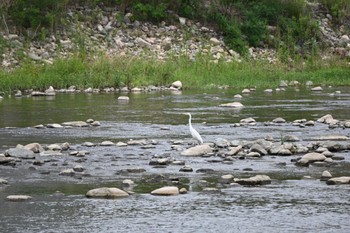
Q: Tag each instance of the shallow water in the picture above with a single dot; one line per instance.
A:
(289, 204)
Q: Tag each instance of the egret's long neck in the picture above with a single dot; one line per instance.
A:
(189, 121)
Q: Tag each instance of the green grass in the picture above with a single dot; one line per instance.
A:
(131, 71)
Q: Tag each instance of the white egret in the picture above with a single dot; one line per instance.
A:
(194, 132)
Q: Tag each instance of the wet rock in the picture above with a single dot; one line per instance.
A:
(234, 150)
(21, 153)
(96, 123)
(331, 138)
(54, 126)
(205, 170)
(107, 143)
(77, 153)
(124, 99)
(268, 91)
(18, 94)
(310, 158)
(279, 149)
(253, 155)
(137, 142)
(326, 175)
(89, 144)
(6, 160)
(197, 150)
(38, 162)
(338, 157)
(105, 192)
(238, 96)
(258, 148)
(177, 85)
(327, 119)
(121, 144)
(283, 84)
(183, 191)
(222, 143)
(211, 190)
(339, 180)
(18, 197)
(186, 168)
(160, 161)
(332, 145)
(67, 172)
(3, 181)
(166, 191)
(50, 91)
(135, 170)
(128, 182)
(76, 123)
(227, 179)
(54, 147)
(255, 180)
(51, 153)
(248, 120)
(245, 91)
(232, 105)
(318, 88)
(41, 126)
(279, 120)
(78, 168)
(35, 147)
(309, 123)
(290, 138)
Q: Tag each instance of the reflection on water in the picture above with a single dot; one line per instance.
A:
(164, 107)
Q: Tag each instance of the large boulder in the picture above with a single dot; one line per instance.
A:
(35, 147)
(310, 158)
(197, 150)
(21, 153)
(166, 191)
(105, 192)
(339, 180)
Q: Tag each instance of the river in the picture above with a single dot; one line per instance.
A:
(295, 201)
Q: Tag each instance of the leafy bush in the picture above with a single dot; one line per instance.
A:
(339, 9)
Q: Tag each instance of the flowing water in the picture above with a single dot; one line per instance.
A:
(289, 204)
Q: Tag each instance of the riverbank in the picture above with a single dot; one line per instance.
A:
(130, 72)
(99, 47)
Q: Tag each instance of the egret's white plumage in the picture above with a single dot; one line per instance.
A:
(194, 132)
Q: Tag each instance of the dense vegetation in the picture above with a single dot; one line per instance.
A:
(296, 36)
(243, 23)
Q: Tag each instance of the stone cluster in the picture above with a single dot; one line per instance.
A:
(106, 31)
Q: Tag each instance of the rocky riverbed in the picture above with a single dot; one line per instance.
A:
(105, 31)
(281, 164)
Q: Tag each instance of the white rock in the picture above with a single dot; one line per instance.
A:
(232, 105)
(339, 180)
(318, 88)
(123, 99)
(197, 150)
(215, 41)
(76, 123)
(18, 197)
(166, 191)
(35, 147)
(107, 143)
(105, 192)
(177, 84)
